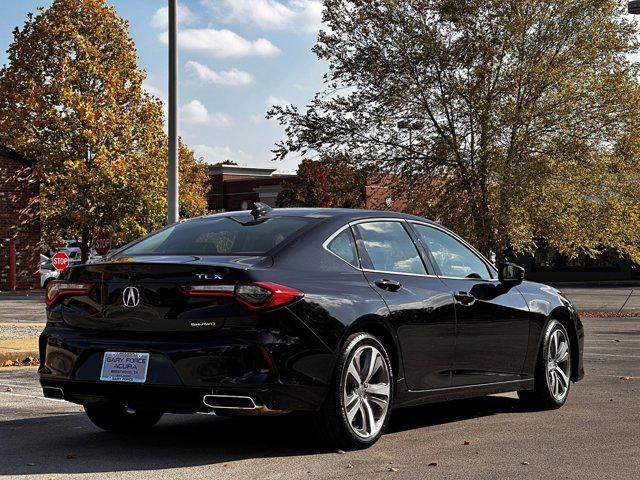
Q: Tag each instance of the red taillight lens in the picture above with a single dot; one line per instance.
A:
(60, 288)
(260, 295)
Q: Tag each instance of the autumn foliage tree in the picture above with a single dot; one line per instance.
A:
(71, 98)
(508, 120)
(330, 182)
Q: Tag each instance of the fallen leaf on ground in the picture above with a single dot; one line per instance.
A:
(349, 465)
(8, 363)
(525, 463)
(626, 378)
(433, 464)
(391, 469)
(9, 389)
(467, 442)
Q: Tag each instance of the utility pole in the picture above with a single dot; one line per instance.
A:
(173, 173)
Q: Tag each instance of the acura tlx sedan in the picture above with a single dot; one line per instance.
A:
(342, 313)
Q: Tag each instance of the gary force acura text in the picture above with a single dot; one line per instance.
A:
(345, 313)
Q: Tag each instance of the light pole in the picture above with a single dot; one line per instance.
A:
(173, 173)
(634, 7)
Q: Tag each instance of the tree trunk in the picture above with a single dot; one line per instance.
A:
(85, 245)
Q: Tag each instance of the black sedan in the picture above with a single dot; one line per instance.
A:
(345, 313)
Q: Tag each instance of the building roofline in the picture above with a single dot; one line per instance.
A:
(226, 169)
(13, 155)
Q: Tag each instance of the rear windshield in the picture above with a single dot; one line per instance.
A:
(219, 236)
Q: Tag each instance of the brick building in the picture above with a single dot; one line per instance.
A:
(234, 187)
(19, 221)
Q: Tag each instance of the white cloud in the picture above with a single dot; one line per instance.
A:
(196, 112)
(221, 43)
(215, 154)
(257, 119)
(233, 77)
(299, 15)
(160, 18)
(273, 100)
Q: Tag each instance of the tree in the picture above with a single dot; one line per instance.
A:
(506, 119)
(330, 182)
(71, 97)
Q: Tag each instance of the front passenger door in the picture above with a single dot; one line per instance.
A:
(492, 320)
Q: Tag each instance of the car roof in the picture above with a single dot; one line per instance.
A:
(345, 214)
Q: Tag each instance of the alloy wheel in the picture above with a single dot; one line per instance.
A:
(558, 365)
(366, 391)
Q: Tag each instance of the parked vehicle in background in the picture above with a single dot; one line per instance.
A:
(344, 314)
(47, 271)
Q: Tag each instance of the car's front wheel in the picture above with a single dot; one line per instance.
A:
(116, 417)
(357, 408)
(553, 370)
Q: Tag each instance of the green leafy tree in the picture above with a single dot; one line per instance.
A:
(330, 182)
(505, 119)
(71, 97)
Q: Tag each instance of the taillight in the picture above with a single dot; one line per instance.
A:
(256, 296)
(61, 288)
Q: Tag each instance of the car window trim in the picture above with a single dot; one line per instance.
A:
(491, 268)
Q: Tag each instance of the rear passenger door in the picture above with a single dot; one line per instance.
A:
(421, 306)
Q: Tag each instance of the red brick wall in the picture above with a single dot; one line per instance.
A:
(19, 223)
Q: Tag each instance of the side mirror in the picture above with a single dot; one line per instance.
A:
(510, 273)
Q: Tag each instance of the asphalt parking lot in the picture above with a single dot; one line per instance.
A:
(596, 434)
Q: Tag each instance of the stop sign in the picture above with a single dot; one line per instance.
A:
(102, 244)
(60, 261)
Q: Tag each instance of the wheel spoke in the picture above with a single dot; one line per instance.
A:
(352, 372)
(562, 376)
(563, 352)
(381, 402)
(352, 408)
(376, 365)
(370, 419)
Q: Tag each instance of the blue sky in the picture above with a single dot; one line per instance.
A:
(237, 57)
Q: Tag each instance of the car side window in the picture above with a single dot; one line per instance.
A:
(344, 247)
(453, 257)
(389, 247)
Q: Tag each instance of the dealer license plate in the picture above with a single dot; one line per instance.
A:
(124, 367)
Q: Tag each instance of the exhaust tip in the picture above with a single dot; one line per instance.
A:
(236, 402)
(53, 392)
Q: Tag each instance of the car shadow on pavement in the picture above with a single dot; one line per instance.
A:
(69, 443)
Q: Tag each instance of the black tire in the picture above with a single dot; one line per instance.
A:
(115, 417)
(332, 422)
(542, 396)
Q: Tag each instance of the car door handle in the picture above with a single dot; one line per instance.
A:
(464, 298)
(386, 284)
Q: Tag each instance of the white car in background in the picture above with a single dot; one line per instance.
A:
(47, 271)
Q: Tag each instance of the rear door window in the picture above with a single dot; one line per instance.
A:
(219, 236)
(389, 247)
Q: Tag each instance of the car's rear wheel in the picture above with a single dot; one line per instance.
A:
(116, 417)
(357, 408)
(553, 370)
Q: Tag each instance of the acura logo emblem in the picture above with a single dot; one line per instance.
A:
(131, 297)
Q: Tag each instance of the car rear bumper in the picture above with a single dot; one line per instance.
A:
(277, 371)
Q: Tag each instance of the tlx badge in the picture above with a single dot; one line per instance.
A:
(208, 276)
